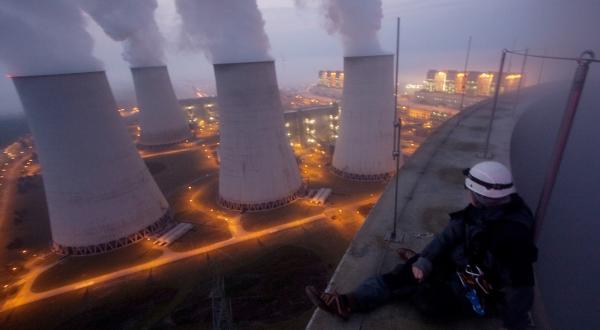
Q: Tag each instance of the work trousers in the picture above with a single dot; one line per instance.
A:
(440, 296)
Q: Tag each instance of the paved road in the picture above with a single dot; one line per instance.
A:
(26, 296)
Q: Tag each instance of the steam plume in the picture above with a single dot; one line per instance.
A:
(227, 30)
(133, 23)
(44, 37)
(357, 21)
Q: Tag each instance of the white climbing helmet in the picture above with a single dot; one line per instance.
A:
(489, 179)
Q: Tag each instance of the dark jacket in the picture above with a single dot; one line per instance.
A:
(498, 239)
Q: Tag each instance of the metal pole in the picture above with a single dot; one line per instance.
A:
(397, 126)
(396, 76)
(514, 47)
(541, 69)
(494, 105)
(464, 82)
(562, 138)
(521, 78)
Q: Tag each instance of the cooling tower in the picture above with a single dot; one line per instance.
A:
(99, 192)
(363, 150)
(162, 121)
(258, 170)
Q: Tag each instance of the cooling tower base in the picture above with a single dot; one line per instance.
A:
(362, 177)
(116, 244)
(255, 207)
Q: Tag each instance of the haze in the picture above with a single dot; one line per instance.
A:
(434, 35)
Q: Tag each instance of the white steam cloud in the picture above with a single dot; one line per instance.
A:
(228, 31)
(357, 21)
(131, 22)
(44, 37)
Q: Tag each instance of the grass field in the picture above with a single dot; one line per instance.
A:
(263, 278)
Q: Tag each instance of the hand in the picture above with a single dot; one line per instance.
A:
(418, 274)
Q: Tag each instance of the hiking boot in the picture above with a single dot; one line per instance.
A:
(406, 253)
(331, 302)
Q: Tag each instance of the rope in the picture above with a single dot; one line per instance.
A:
(575, 59)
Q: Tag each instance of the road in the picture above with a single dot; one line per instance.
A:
(153, 154)
(26, 296)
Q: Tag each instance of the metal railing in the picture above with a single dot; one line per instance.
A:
(583, 63)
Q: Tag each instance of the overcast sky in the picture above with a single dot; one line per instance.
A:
(434, 34)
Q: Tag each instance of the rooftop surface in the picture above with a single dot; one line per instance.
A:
(430, 187)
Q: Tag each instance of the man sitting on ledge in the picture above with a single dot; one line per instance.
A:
(480, 264)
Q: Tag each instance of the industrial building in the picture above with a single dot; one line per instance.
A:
(366, 134)
(312, 126)
(333, 79)
(473, 83)
(305, 126)
(162, 121)
(452, 100)
(258, 170)
(99, 192)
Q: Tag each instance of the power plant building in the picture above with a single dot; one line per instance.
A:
(332, 79)
(162, 121)
(258, 169)
(100, 194)
(363, 150)
(474, 83)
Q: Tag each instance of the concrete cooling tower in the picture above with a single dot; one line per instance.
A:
(162, 121)
(258, 170)
(99, 192)
(363, 150)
